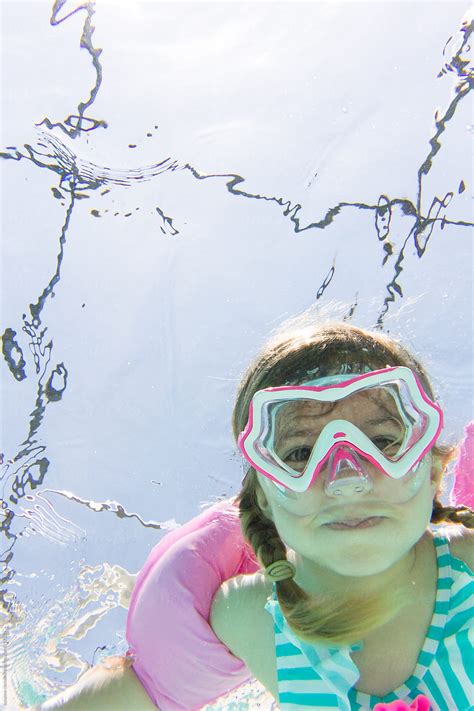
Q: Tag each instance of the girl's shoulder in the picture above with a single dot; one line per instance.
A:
(238, 605)
(244, 592)
(239, 619)
(461, 543)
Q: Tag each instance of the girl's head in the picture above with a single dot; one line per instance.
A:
(273, 522)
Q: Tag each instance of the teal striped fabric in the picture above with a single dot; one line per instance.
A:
(316, 677)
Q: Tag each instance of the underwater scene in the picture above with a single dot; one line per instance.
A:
(179, 178)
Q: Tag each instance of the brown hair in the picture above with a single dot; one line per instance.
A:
(287, 358)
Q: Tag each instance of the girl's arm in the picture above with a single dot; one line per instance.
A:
(236, 619)
(111, 685)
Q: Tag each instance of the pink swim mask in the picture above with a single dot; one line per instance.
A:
(344, 429)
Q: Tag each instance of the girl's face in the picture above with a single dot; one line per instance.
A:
(312, 523)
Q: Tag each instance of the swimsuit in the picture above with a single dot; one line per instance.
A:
(323, 678)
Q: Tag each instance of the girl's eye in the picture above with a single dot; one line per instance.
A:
(298, 455)
(386, 444)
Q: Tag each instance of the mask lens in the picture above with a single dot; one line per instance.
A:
(395, 400)
(291, 426)
(291, 430)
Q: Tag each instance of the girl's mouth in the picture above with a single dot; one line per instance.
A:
(349, 524)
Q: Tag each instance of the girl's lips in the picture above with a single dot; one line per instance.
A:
(355, 523)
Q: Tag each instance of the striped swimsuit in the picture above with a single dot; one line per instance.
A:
(323, 678)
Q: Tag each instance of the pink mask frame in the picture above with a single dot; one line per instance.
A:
(339, 433)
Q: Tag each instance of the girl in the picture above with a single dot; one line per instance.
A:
(357, 601)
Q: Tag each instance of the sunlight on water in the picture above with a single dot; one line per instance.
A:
(177, 180)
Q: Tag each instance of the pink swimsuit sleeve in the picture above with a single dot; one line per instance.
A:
(177, 657)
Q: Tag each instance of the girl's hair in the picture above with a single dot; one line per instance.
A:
(292, 357)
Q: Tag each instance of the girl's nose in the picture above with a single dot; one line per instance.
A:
(345, 475)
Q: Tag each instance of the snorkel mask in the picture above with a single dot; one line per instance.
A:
(343, 428)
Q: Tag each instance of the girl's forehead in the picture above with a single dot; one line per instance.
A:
(357, 405)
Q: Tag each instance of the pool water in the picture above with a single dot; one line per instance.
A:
(177, 180)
